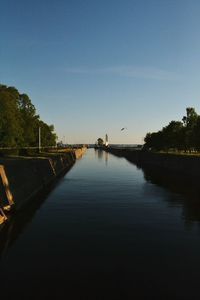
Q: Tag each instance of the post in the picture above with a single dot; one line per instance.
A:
(39, 139)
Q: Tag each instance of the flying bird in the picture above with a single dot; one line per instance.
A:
(123, 128)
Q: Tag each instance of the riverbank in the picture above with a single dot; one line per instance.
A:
(106, 229)
(24, 178)
(186, 165)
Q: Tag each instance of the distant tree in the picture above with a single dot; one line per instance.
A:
(100, 141)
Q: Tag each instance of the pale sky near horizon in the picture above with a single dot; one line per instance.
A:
(92, 67)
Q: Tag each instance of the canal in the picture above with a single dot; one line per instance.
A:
(108, 230)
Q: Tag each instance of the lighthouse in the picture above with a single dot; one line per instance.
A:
(106, 140)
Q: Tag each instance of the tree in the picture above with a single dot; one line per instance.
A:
(196, 134)
(172, 135)
(100, 141)
(191, 117)
(48, 137)
(190, 122)
(10, 129)
(19, 122)
(29, 120)
(183, 135)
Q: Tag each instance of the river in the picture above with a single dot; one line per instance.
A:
(108, 230)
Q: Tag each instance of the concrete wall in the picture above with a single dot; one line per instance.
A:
(28, 177)
(184, 164)
(79, 152)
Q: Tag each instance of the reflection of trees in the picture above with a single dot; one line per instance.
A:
(179, 184)
(106, 157)
(174, 181)
(100, 154)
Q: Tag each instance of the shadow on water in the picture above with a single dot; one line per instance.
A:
(19, 220)
(177, 183)
(16, 224)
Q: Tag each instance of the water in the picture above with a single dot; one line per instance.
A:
(107, 231)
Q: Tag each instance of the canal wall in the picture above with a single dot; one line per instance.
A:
(79, 152)
(24, 178)
(186, 165)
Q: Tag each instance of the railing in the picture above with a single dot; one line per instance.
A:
(6, 197)
(23, 151)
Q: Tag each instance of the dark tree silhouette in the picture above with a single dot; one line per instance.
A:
(19, 122)
(177, 135)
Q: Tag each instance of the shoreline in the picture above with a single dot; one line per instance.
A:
(185, 165)
(22, 179)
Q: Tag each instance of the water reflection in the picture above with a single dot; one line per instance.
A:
(178, 184)
(106, 157)
(105, 233)
(19, 220)
(102, 155)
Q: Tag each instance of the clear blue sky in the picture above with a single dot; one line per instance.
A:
(92, 67)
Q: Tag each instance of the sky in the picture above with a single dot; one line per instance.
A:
(91, 67)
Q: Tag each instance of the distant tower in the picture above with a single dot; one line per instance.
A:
(106, 140)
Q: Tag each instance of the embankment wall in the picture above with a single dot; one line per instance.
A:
(185, 164)
(28, 177)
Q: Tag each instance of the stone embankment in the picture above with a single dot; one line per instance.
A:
(24, 178)
(186, 165)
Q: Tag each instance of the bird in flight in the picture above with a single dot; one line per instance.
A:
(123, 128)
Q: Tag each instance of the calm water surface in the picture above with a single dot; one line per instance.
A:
(107, 231)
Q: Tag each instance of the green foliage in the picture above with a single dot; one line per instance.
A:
(100, 141)
(10, 129)
(177, 135)
(48, 138)
(19, 122)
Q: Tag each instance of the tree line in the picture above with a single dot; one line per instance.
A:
(181, 135)
(19, 123)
